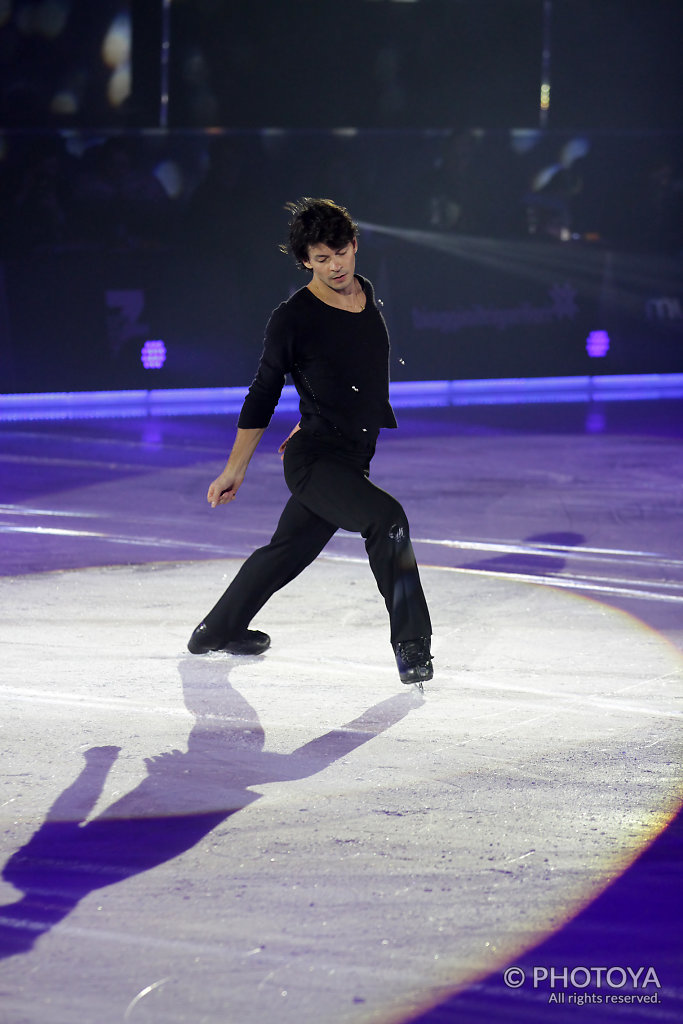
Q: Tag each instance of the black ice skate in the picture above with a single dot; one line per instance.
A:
(414, 661)
(251, 641)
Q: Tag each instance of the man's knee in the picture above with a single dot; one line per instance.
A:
(395, 522)
(398, 531)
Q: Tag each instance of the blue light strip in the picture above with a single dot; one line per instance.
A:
(404, 394)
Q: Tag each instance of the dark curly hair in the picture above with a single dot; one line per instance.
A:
(317, 222)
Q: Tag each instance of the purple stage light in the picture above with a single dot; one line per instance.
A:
(153, 355)
(597, 344)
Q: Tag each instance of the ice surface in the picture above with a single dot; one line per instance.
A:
(298, 836)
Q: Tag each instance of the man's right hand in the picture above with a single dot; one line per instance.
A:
(224, 489)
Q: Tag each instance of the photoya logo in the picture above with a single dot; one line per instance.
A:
(582, 977)
(562, 306)
(607, 984)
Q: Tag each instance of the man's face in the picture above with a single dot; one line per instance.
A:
(333, 268)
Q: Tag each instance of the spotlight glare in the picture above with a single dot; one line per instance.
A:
(597, 344)
(544, 177)
(119, 86)
(574, 150)
(116, 48)
(153, 355)
(169, 174)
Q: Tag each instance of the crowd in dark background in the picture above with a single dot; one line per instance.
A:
(133, 183)
(53, 200)
(443, 98)
(214, 191)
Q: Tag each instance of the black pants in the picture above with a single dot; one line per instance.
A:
(330, 490)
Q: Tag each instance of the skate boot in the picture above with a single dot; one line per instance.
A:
(414, 660)
(251, 641)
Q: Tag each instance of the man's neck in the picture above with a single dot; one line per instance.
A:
(353, 302)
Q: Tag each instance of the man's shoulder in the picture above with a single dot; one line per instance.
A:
(291, 306)
(367, 288)
(297, 300)
(286, 320)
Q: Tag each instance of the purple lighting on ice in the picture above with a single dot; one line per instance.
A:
(597, 344)
(153, 355)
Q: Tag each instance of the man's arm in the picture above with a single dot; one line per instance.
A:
(225, 487)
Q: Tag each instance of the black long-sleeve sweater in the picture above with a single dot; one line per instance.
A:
(339, 364)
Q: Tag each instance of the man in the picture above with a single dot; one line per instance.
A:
(332, 339)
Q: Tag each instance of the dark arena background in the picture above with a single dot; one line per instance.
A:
(288, 839)
(515, 167)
